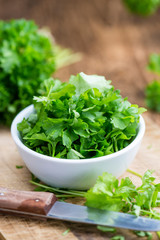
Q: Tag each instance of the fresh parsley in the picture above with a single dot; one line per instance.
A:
(84, 118)
(152, 90)
(142, 7)
(144, 234)
(118, 237)
(66, 232)
(27, 57)
(106, 229)
(122, 195)
(19, 166)
(110, 194)
(152, 93)
(154, 63)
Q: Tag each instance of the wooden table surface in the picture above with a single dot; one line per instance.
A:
(115, 44)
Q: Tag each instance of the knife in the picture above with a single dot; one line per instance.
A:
(45, 205)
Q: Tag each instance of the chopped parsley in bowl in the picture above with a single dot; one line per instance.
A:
(84, 118)
(76, 131)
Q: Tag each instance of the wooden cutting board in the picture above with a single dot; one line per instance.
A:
(13, 228)
(115, 44)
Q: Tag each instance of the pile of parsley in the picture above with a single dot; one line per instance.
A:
(27, 58)
(84, 118)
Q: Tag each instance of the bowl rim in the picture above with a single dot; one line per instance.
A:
(26, 111)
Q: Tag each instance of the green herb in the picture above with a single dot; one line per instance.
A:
(152, 90)
(158, 234)
(106, 229)
(154, 63)
(142, 7)
(152, 93)
(144, 234)
(118, 237)
(84, 118)
(134, 173)
(19, 167)
(27, 57)
(34, 178)
(60, 193)
(110, 194)
(66, 232)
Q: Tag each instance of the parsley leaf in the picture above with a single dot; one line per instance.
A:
(83, 118)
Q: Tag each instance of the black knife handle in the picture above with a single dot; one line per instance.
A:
(26, 201)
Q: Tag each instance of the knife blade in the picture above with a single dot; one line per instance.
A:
(45, 205)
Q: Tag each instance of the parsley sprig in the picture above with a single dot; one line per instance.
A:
(110, 194)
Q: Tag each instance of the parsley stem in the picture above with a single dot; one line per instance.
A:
(134, 173)
(137, 174)
(66, 196)
(52, 189)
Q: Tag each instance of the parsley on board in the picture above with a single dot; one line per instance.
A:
(27, 57)
(110, 194)
(118, 237)
(66, 232)
(122, 195)
(106, 229)
(19, 166)
(142, 7)
(144, 234)
(84, 118)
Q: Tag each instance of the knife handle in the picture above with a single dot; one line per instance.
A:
(26, 201)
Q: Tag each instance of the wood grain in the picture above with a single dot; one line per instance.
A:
(26, 201)
(115, 44)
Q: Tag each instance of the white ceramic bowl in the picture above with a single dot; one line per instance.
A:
(70, 173)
